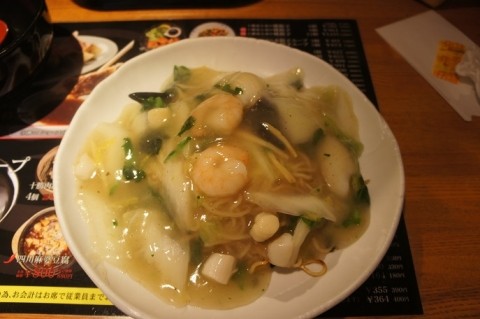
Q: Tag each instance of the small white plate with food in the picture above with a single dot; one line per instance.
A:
(96, 51)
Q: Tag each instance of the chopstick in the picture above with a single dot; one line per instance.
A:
(117, 56)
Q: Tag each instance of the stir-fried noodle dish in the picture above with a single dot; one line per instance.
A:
(204, 189)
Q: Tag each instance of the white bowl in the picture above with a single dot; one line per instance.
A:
(289, 295)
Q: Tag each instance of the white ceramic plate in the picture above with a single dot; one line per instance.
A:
(289, 296)
(108, 50)
(222, 27)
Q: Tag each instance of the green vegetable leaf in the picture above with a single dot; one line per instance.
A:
(181, 73)
(113, 188)
(241, 275)
(360, 189)
(130, 171)
(352, 144)
(152, 102)
(208, 232)
(353, 219)
(312, 220)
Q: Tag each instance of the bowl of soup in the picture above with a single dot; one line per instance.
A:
(246, 178)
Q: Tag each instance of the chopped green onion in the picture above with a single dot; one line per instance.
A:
(178, 148)
(188, 124)
(228, 88)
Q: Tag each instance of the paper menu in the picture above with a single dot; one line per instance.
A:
(391, 289)
(417, 39)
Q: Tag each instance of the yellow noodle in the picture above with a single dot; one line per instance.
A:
(282, 169)
(281, 138)
(254, 139)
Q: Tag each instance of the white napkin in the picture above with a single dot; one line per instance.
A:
(469, 67)
(417, 39)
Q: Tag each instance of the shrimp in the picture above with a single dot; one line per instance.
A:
(217, 115)
(220, 170)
